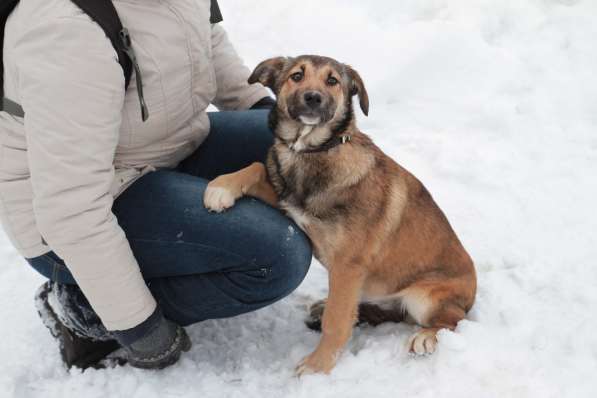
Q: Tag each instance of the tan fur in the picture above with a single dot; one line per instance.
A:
(392, 247)
(251, 181)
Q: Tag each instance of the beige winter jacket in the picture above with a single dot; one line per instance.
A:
(82, 140)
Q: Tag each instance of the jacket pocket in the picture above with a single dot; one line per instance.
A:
(124, 178)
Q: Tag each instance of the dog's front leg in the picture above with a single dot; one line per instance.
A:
(339, 316)
(223, 191)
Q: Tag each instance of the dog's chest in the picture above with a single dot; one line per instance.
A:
(300, 184)
(296, 177)
(298, 215)
(310, 204)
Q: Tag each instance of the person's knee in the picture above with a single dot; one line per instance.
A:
(293, 261)
(301, 257)
(267, 276)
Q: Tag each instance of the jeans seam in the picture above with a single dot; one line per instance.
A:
(225, 274)
(50, 261)
(190, 244)
(55, 272)
(238, 304)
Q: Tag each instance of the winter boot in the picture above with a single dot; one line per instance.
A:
(83, 340)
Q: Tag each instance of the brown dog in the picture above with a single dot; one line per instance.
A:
(373, 225)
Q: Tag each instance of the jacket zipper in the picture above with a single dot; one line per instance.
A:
(130, 52)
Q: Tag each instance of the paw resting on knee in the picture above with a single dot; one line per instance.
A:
(220, 195)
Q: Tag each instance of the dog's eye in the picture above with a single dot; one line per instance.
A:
(297, 76)
(331, 81)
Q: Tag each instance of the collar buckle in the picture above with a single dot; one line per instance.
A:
(329, 144)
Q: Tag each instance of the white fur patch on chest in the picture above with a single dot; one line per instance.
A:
(297, 215)
(300, 143)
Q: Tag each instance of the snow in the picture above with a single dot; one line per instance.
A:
(493, 105)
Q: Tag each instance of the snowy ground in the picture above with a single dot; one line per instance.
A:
(493, 105)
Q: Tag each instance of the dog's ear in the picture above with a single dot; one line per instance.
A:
(268, 71)
(357, 87)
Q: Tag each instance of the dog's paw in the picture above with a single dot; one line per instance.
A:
(316, 363)
(221, 194)
(218, 199)
(423, 342)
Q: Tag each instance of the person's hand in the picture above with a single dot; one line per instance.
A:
(160, 344)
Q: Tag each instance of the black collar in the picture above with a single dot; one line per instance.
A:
(329, 144)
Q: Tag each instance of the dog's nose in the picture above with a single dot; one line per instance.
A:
(312, 99)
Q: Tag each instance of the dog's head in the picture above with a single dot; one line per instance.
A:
(312, 90)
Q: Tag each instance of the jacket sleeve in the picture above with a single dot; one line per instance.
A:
(72, 91)
(233, 91)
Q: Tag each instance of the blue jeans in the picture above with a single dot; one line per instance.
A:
(201, 265)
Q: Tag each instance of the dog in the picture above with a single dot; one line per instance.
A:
(387, 246)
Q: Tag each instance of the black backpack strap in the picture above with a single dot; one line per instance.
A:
(216, 14)
(105, 15)
(12, 107)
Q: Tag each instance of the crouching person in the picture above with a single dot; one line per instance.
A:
(106, 150)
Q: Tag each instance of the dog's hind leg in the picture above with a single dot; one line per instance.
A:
(369, 314)
(435, 305)
(424, 341)
(374, 314)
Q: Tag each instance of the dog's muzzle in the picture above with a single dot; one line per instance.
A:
(311, 108)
